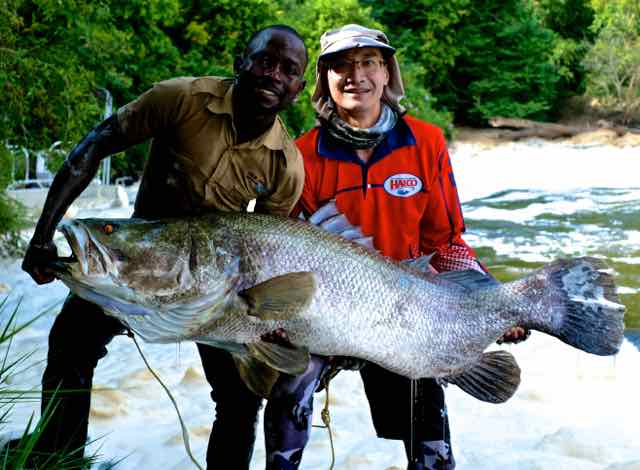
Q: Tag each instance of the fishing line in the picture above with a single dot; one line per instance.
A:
(185, 433)
(326, 419)
(412, 394)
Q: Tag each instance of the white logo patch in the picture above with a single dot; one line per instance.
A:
(403, 185)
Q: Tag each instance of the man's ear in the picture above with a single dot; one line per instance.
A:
(237, 63)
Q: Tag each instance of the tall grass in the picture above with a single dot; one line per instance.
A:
(22, 453)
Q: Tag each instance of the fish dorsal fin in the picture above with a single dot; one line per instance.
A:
(257, 376)
(470, 279)
(260, 365)
(329, 218)
(280, 297)
(494, 379)
(421, 263)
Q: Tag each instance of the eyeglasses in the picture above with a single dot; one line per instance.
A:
(343, 66)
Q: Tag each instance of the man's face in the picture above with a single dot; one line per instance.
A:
(356, 79)
(271, 74)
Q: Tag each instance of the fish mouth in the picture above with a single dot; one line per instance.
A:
(88, 256)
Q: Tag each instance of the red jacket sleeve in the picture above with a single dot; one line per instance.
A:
(442, 224)
(308, 202)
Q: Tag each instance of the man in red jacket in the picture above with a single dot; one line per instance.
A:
(390, 174)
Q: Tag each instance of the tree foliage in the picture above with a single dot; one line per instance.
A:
(613, 62)
(504, 67)
(426, 31)
(571, 21)
(481, 58)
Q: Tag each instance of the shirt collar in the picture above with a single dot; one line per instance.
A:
(220, 102)
(398, 137)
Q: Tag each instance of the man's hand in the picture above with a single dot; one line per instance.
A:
(278, 337)
(515, 335)
(36, 261)
(346, 362)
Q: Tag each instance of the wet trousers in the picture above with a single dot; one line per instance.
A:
(427, 443)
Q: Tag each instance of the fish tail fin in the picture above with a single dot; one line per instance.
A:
(580, 297)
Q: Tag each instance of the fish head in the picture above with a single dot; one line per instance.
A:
(126, 258)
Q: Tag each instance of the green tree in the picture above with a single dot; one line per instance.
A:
(505, 66)
(426, 32)
(613, 63)
(571, 21)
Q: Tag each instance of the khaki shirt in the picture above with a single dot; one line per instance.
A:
(194, 163)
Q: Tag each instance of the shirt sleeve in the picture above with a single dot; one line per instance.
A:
(154, 112)
(442, 224)
(287, 193)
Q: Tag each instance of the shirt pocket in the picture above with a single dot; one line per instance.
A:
(235, 182)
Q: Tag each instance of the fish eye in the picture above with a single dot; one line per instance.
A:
(109, 228)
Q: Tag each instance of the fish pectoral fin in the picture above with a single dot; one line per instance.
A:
(292, 361)
(280, 297)
(494, 379)
(257, 376)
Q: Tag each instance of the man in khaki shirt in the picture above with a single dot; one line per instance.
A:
(216, 144)
(197, 163)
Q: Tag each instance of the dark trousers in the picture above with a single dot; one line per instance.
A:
(287, 415)
(77, 341)
(389, 397)
(234, 428)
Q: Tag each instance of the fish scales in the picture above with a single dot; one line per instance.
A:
(381, 301)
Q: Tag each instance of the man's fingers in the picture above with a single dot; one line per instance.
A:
(278, 336)
(514, 335)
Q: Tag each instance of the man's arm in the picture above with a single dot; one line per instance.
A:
(75, 175)
(441, 231)
(442, 224)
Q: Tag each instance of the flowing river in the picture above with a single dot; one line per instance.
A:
(525, 204)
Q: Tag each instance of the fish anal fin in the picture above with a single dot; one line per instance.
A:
(280, 297)
(292, 361)
(494, 379)
(257, 376)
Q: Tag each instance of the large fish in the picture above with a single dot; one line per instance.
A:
(227, 279)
